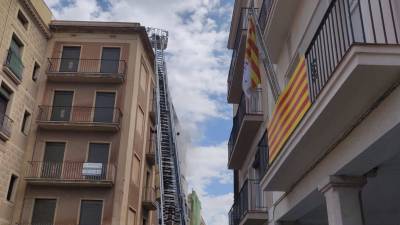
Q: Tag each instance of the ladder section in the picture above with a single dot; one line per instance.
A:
(172, 208)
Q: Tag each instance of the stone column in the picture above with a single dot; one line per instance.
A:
(342, 199)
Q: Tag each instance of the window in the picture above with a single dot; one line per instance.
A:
(110, 60)
(22, 19)
(16, 46)
(62, 104)
(98, 153)
(70, 59)
(5, 122)
(11, 187)
(104, 111)
(25, 122)
(5, 96)
(43, 211)
(53, 159)
(135, 170)
(35, 72)
(91, 212)
(14, 59)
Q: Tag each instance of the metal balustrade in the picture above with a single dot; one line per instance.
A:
(249, 200)
(69, 171)
(247, 106)
(347, 23)
(79, 114)
(87, 66)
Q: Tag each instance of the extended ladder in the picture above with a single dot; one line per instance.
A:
(172, 208)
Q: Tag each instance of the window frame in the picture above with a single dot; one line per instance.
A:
(90, 199)
(12, 186)
(22, 19)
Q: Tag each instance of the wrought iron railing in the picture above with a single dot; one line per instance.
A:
(73, 66)
(69, 171)
(264, 13)
(14, 63)
(6, 125)
(79, 114)
(250, 200)
(247, 106)
(346, 23)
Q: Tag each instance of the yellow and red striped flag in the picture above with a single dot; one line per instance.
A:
(251, 74)
(290, 108)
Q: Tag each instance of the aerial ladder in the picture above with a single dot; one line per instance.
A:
(171, 208)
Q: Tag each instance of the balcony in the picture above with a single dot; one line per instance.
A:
(237, 61)
(353, 62)
(13, 67)
(151, 150)
(149, 198)
(70, 174)
(5, 127)
(248, 119)
(86, 70)
(79, 118)
(249, 208)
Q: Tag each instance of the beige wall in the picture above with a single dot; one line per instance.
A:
(23, 98)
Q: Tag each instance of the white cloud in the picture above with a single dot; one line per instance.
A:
(197, 69)
(207, 165)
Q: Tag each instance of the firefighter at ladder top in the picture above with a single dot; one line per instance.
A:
(251, 74)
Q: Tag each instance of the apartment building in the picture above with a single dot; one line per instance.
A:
(331, 155)
(78, 119)
(23, 42)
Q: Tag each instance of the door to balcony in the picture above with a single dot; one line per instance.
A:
(62, 104)
(70, 59)
(98, 153)
(104, 107)
(53, 160)
(91, 212)
(110, 60)
(43, 211)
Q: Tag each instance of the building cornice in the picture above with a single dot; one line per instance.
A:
(62, 26)
(42, 25)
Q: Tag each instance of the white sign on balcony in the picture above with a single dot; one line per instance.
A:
(92, 169)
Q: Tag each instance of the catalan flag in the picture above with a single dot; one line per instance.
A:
(251, 74)
(290, 108)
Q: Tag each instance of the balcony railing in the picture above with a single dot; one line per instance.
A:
(249, 200)
(264, 13)
(347, 23)
(79, 114)
(247, 106)
(69, 171)
(14, 63)
(87, 66)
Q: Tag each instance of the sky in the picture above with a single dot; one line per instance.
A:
(198, 63)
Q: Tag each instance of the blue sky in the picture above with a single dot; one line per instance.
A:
(198, 64)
